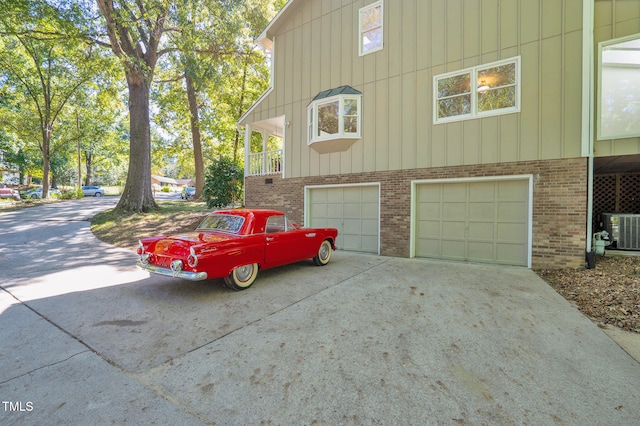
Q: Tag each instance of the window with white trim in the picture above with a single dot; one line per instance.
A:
(495, 90)
(619, 87)
(334, 117)
(370, 25)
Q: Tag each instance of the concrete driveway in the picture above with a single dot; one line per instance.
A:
(85, 337)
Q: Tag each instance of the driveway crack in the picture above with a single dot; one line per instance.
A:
(45, 366)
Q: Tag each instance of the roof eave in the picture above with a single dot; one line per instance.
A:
(265, 39)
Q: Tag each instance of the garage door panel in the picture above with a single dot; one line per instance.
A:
(334, 196)
(452, 249)
(353, 210)
(511, 253)
(369, 244)
(482, 191)
(318, 210)
(370, 211)
(454, 229)
(429, 193)
(334, 210)
(481, 231)
(455, 192)
(512, 211)
(319, 196)
(512, 231)
(483, 210)
(428, 247)
(351, 242)
(334, 223)
(427, 229)
(370, 195)
(428, 211)
(454, 210)
(351, 226)
(484, 221)
(512, 190)
(352, 193)
(481, 251)
(370, 227)
(319, 223)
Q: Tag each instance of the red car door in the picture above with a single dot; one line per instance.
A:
(285, 243)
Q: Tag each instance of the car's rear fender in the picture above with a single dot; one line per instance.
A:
(222, 260)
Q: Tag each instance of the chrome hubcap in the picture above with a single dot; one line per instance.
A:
(243, 273)
(324, 252)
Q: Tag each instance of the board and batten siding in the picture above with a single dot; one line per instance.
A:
(317, 49)
(615, 19)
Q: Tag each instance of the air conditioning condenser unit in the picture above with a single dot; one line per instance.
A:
(623, 229)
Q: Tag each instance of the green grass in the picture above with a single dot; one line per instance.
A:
(123, 229)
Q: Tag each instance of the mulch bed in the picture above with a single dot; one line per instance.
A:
(608, 293)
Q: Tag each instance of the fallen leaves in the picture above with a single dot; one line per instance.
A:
(609, 293)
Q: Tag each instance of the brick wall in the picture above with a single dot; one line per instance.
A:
(559, 205)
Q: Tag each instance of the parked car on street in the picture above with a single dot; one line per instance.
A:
(188, 192)
(37, 193)
(234, 244)
(6, 192)
(92, 191)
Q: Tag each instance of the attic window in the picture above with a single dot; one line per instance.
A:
(334, 119)
(371, 35)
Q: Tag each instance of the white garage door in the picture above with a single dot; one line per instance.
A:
(484, 221)
(353, 210)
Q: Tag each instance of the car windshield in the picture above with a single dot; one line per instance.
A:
(222, 222)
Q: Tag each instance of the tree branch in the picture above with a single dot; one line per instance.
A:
(171, 80)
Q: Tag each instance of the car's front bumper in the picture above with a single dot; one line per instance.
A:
(186, 275)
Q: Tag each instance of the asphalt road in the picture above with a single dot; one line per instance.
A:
(87, 338)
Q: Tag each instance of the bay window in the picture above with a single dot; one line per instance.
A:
(333, 119)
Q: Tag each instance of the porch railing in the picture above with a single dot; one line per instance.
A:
(265, 163)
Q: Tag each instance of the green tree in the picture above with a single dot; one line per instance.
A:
(44, 61)
(213, 47)
(223, 183)
(93, 129)
(135, 30)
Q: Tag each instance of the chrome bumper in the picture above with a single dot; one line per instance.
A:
(186, 275)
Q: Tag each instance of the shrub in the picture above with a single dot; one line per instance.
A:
(223, 183)
(71, 193)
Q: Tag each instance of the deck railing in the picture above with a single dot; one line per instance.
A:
(265, 163)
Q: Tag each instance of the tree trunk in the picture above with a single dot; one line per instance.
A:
(88, 161)
(137, 195)
(195, 132)
(46, 160)
(236, 141)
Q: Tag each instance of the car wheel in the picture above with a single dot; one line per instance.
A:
(97, 194)
(242, 277)
(324, 254)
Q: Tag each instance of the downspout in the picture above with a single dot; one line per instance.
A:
(588, 115)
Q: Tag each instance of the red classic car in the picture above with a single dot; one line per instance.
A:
(234, 244)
